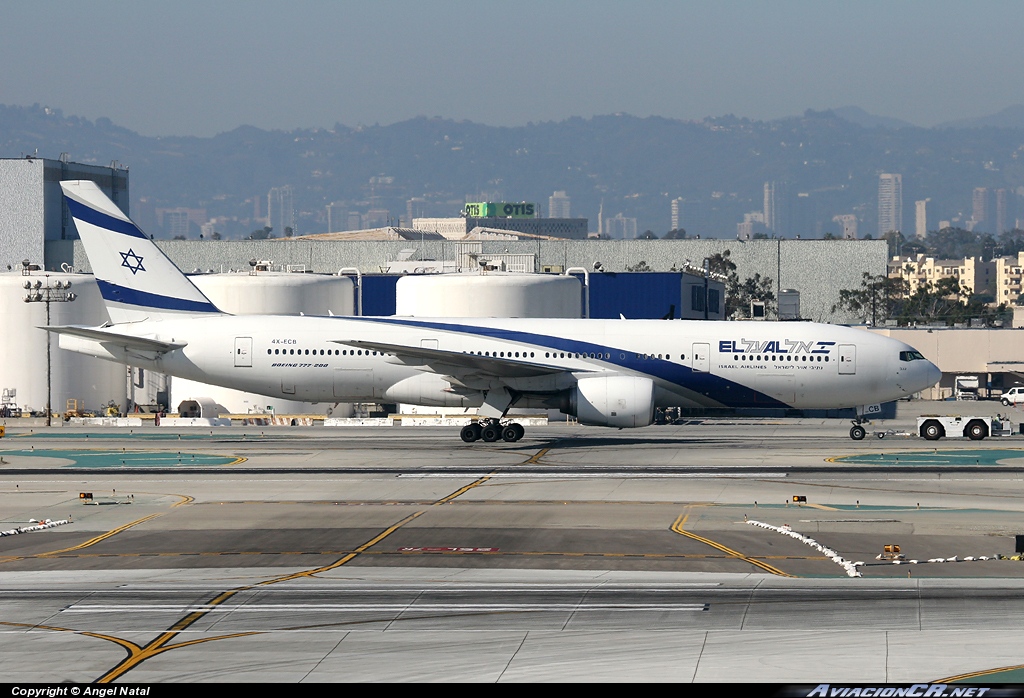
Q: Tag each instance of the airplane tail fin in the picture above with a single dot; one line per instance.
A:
(137, 281)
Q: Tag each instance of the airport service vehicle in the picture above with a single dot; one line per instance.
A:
(611, 373)
(966, 387)
(934, 427)
(1013, 396)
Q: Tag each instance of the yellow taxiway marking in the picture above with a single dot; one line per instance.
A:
(184, 499)
(819, 506)
(976, 674)
(163, 642)
(478, 553)
(677, 527)
(535, 458)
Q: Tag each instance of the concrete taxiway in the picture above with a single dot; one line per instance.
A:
(666, 553)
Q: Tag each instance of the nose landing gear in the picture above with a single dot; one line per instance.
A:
(491, 430)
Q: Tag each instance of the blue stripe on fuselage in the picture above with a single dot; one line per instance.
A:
(130, 296)
(102, 220)
(725, 391)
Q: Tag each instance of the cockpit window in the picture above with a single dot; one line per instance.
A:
(911, 356)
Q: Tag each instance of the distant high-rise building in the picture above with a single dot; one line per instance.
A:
(336, 215)
(981, 210)
(804, 221)
(176, 223)
(776, 207)
(559, 205)
(619, 227)
(921, 219)
(890, 203)
(848, 221)
(181, 222)
(1005, 212)
(677, 205)
(753, 224)
(281, 210)
(377, 218)
(688, 215)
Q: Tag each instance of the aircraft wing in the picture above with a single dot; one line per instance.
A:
(126, 341)
(458, 363)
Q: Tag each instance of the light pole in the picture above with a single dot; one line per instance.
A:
(707, 273)
(44, 292)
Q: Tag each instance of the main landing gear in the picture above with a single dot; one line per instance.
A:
(491, 430)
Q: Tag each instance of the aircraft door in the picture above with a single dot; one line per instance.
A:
(243, 352)
(847, 359)
(701, 358)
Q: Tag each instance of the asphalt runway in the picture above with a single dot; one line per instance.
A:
(402, 554)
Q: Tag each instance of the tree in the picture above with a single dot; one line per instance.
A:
(648, 235)
(675, 234)
(739, 294)
(957, 243)
(264, 233)
(947, 301)
(719, 263)
(288, 232)
(639, 266)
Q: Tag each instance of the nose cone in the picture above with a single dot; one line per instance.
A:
(929, 375)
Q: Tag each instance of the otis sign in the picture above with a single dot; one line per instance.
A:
(500, 210)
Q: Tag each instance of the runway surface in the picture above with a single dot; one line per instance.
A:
(402, 554)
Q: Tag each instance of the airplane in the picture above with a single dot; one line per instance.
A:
(611, 373)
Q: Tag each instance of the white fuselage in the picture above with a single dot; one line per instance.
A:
(692, 363)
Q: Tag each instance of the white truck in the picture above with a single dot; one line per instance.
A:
(1013, 396)
(966, 387)
(934, 427)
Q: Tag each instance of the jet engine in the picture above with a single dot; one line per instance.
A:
(612, 401)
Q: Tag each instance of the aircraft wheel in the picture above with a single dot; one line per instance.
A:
(491, 433)
(510, 434)
(932, 430)
(519, 430)
(976, 431)
(470, 433)
(857, 432)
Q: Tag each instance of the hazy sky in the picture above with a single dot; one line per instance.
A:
(193, 67)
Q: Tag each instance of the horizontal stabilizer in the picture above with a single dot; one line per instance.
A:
(122, 340)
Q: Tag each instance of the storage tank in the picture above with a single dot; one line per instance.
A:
(268, 293)
(278, 293)
(489, 295)
(92, 382)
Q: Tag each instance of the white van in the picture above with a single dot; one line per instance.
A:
(1013, 396)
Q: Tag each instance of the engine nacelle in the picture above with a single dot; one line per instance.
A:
(612, 401)
(429, 390)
